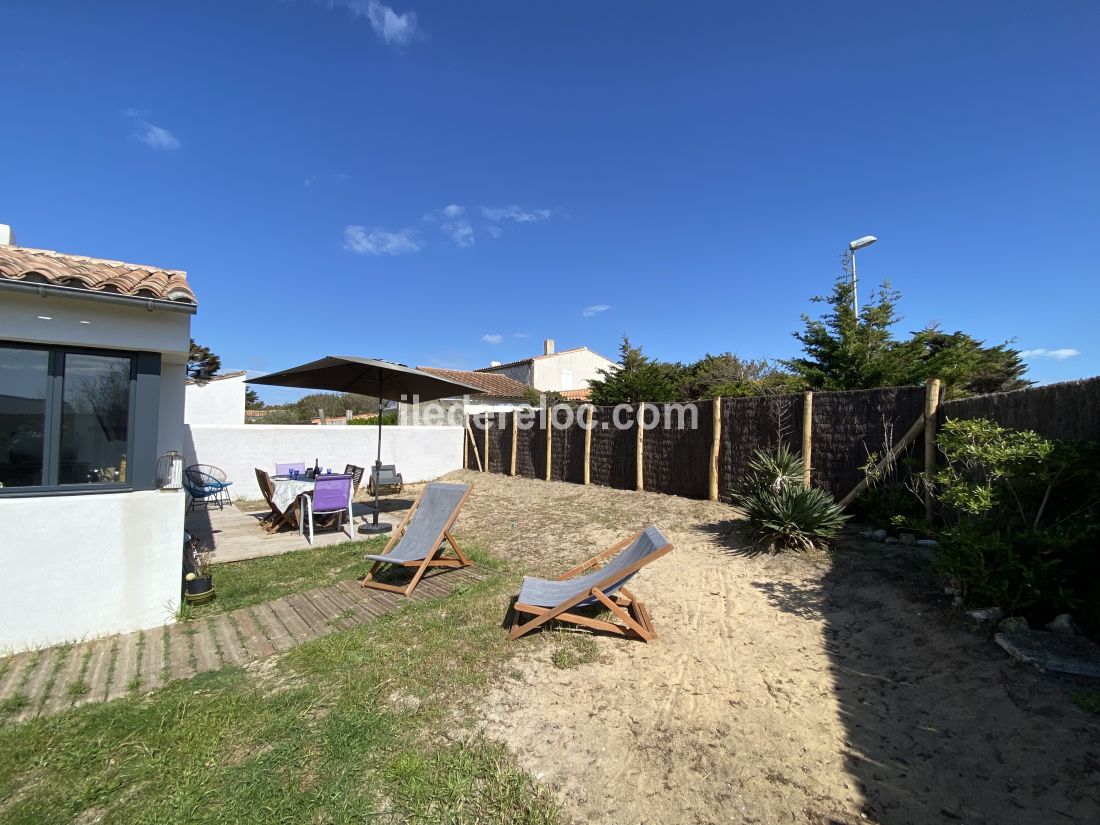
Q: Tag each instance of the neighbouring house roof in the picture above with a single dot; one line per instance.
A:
(44, 266)
(219, 377)
(577, 395)
(539, 358)
(494, 386)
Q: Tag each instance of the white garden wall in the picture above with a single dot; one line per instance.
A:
(420, 453)
(89, 565)
(217, 401)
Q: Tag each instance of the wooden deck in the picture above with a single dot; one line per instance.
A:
(236, 535)
(48, 681)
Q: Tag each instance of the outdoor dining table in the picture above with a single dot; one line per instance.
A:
(287, 489)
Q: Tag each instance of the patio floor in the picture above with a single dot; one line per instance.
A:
(236, 534)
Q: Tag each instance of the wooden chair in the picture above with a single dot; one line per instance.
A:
(560, 598)
(275, 519)
(356, 473)
(420, 539)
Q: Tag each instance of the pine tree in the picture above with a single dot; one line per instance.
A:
(637, 378)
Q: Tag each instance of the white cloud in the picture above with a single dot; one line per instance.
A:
(1055, 354)
(494, 231)
(335, 177)
(392, 28)
(453, 210)
(153, 136)
(595, 309)
(520, 334)
(460, 231)
(377, 241)
(492, 338)
(515, 213)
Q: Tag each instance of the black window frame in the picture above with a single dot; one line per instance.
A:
(141, 425)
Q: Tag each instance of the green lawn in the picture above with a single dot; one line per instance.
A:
(363, 725)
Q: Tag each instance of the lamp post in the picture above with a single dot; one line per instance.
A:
(858, 243)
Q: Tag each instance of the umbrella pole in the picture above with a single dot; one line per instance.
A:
(374, 526)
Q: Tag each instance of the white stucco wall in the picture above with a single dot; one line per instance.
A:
(584, 364)
(420, 453)
(88, 565)
(111, 326)
(217, 401)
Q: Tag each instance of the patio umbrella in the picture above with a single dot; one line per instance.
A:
(383, 380)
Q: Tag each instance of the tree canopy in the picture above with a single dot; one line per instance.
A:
(201, 362)
(844, 350)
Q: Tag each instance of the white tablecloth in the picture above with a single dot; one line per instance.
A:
(287, 491)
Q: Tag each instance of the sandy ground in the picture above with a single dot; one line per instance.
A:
(829, 689)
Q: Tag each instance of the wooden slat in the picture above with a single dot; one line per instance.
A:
(179, 652)
(59, 697)
(314, 619)
(329, 609)
(204, 647)
(715, 448)
(38, 680)
(12, 679)
(152, 659)
(256, 642)
(277, 634)
(125, 665)
(95, 675)
(298, 629)
(233, 652)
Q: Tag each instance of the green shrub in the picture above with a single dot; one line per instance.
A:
(780, 511)
(1020, 515)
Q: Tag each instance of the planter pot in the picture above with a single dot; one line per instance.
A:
(199, 591)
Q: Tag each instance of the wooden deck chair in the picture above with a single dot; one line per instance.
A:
(420, 539)
(557, 599)
(275, 519)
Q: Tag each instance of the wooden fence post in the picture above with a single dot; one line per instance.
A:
(485, 420)
(639, 475)
(807, 436)
(515, 439)
(589, 409)
(715, 446)
(465, 446)
(549, 440)
(931, 405)
(473, 443)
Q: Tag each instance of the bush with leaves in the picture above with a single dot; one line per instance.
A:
(1021, 515)
(780, 511)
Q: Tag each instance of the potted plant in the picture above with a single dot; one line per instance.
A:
(198, 577)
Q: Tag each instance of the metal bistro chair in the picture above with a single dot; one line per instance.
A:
(207, 484)
(331, 496)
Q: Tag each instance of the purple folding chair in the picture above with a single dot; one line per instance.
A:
(286, 469)
(331, 496)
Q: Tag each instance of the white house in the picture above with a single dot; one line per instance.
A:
(569, 371)
(92, 368)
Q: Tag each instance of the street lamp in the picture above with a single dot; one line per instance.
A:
(858, 243)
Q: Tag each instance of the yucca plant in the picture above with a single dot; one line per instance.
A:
(780, 511)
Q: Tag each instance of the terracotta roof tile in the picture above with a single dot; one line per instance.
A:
(496, 386)
(44, 266)
(577, 395)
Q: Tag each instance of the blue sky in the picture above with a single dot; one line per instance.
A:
(448, 183)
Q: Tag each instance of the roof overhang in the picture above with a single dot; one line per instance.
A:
(132, 301)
